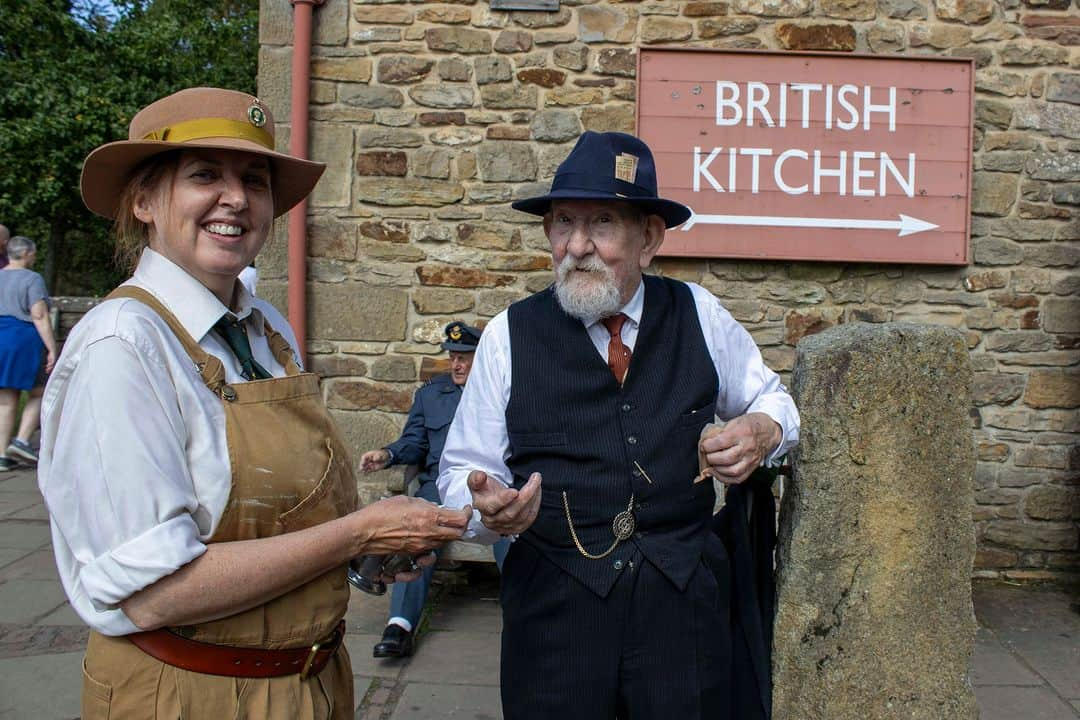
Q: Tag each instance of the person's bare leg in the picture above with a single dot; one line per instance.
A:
(9, 404)
(31, 415)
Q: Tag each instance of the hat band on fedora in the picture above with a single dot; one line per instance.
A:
(593, 183)
(203, 128)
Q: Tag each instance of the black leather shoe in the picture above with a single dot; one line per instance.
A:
(396, 642)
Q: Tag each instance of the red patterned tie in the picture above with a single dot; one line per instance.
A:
(617, 353)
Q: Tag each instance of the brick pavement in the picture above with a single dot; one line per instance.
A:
(1026, 664)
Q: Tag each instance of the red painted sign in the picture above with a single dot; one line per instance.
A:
(811, 156)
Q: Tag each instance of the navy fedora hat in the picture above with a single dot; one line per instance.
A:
(608, 166)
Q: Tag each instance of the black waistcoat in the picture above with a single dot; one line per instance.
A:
(568, 419)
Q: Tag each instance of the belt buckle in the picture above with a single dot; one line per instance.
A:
(305, 672)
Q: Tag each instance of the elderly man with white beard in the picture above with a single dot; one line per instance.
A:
(578, 435)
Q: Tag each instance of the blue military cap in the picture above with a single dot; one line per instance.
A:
(461, 337)
(608, 166)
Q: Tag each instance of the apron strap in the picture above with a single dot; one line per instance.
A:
(209, 367)
(281, 350)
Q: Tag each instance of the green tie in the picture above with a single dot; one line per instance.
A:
(233, 332)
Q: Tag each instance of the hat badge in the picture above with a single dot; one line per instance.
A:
(626, 167)
(256, 115)
(455, 333)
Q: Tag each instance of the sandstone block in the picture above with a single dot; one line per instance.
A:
(430, 367)
(407, 191)
(992, 113)
(389, 137)
(345, 69)
(460, 277)
(850, 9)
(360, 395)
(774, 8)
(1027, 52)
(616, 61)
(993, 193)
(1061, 315)
(996, 251)
(1053, 502)
(1000, 82)
(941, 37)
(569, 97)
(817, 36)
(1066, 194)
(542, 19)
(329, 237)
(492, 69)
(656, 30)
(1064, 87)
(544, 77)
(991, 388)
(513, 41)
(431, 163)
(332, 143)
(373, 97)
(555, 126)
(1032, 536)
(885, 37)
(972, 12)
(705, 9)
(376, 35)
(506, 162)
(1053, 118)
(382, 162)
(886, 440)
(1054, 166)
(610, 117)
(572, 57)
(328, 366)
(1053, 388)
(445, 14)
(382, 14)
(604, 23)
(459, 40)
(443, 96)
(509, 97)
(903, 9)
(985, 280)
(1057, 28)
(507, 132)
(493, 302)
(799, 324)
(389, 231)
(393, 368)
(720, 27)
(454, 70)
(356, 311)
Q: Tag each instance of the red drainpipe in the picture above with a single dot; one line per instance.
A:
(298, 147)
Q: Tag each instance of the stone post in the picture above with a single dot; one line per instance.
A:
(874, 614)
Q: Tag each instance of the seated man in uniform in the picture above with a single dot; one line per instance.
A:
(421, 443)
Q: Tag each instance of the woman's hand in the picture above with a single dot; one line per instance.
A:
(50, 361)
(407, 525)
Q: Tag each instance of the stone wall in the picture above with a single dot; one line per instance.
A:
(433, 116)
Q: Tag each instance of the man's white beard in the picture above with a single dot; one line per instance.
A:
(587, 296)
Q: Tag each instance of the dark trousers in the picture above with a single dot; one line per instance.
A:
(645, 652)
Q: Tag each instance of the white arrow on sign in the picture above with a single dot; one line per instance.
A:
(906, 225)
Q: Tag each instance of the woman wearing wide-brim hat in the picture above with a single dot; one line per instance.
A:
(203, 503)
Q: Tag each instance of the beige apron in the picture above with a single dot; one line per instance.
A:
(290, 471)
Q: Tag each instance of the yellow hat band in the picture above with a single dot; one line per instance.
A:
(212, 128)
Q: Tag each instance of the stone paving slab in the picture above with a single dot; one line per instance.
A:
(23, 480)
(63, 615)
(43, 687)
(1004, 702)
(367, 613)
(36, 511)
(425, 701)
(476, 614)
(10, 555)
(360, 687)
(993, 664)
(1055, 656)
(38, 565)
(13, 502)
(24, 534)
(455, 658)
(23, 601)
(359, 647)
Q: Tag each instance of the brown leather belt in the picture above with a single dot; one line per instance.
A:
(210, 659)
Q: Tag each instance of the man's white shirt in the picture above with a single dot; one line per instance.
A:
(478, 439)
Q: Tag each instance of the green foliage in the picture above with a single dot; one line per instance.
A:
(73, 76)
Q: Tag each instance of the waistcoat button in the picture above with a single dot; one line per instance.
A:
(632, 440)
(617, 564)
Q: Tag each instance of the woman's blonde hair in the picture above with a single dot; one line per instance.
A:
(132, 234)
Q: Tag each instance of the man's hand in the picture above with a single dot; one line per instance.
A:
(738, 449)
(374, 460)
(505, 510)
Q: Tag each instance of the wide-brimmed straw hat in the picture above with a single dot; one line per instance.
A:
(189, 119)
(608, 166)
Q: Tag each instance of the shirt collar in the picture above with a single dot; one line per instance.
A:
(632, 309)
(195, 307)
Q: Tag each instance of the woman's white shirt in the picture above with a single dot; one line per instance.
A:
(134, 465)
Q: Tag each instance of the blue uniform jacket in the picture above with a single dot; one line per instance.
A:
(424, 435)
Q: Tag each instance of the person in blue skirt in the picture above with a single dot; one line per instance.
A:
(27, 349)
